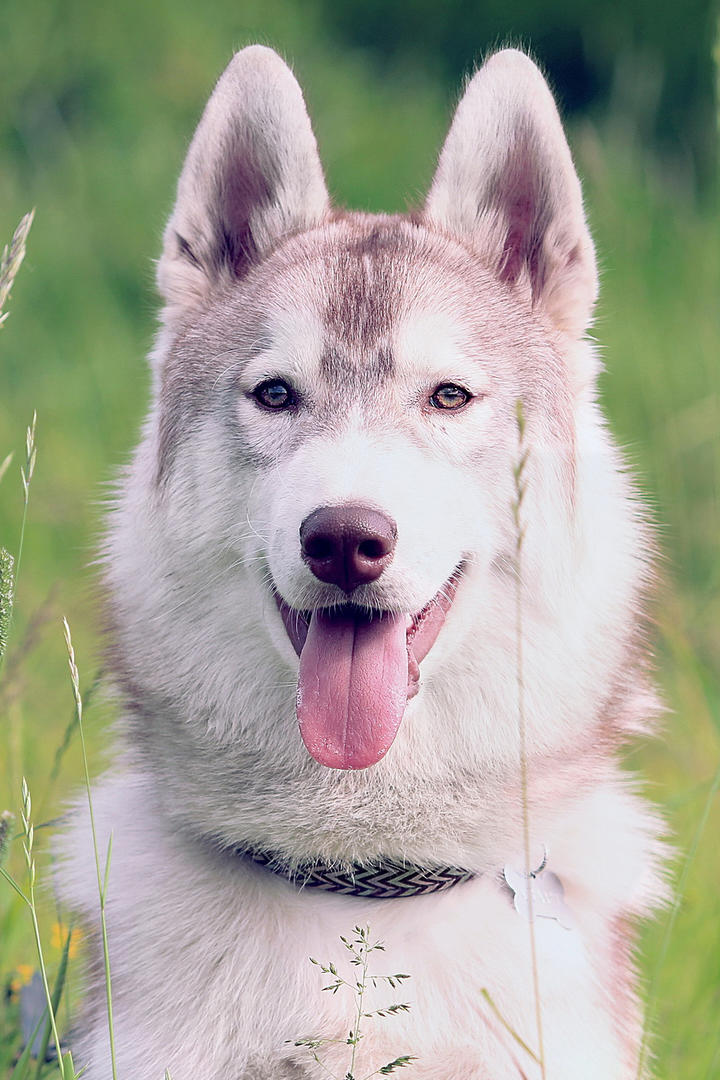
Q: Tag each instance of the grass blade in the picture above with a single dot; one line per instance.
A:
(520, 488)
(68, 1069)
(13, 883)
(56, 996)
(28, 834)
(509, 1028)
(9, 578)
(22, 1065)
(101, 885)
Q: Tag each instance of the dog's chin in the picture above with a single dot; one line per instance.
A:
(359, 667)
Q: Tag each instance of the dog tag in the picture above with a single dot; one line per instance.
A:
(548, 895)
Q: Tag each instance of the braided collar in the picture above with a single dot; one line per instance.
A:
(386, 880)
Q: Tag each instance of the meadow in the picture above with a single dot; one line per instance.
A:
(98, 107)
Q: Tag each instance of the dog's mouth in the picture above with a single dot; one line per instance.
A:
(358, 670)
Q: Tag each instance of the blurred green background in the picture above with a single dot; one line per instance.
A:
(97, 104)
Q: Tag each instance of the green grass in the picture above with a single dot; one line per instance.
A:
(99, 102)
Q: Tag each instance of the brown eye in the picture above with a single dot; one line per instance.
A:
(450, 396)
(273, 394)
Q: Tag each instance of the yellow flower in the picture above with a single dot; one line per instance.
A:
(21, 977)
(58, 936)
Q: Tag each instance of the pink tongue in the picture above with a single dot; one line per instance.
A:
(352, 687)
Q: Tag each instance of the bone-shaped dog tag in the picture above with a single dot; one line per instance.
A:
(548, 895)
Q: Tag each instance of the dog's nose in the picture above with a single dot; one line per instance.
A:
(347, 545)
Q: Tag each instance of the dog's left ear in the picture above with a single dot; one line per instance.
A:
(252, 175)
(505, 182)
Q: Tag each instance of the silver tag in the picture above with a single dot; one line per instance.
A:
(548, 895)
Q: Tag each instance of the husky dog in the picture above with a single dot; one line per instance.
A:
(347, 685)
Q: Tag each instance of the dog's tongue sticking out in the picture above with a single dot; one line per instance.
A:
(352, 686)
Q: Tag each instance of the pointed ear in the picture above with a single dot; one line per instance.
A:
(252, 174)
(505, 182)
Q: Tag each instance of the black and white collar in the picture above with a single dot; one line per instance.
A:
(382, 880)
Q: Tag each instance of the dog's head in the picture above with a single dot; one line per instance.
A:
(327, 488)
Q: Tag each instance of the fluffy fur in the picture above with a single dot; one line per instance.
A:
(490, 286)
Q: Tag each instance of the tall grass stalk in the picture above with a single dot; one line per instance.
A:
(10, 263)
(508, 1027)
(102, 878)
(519, 477)
(64, 744)
(56, 997)
(26, 473)
(362, 984)
(8, 588)
(28, 837)
(359, 946)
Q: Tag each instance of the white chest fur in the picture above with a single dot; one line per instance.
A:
(211, 971)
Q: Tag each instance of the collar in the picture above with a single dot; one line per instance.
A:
(383, 880)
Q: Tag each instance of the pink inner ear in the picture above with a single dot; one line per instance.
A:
(517, 255)
(525, 202)
(506, 179)
(252, 173)
(530, 210)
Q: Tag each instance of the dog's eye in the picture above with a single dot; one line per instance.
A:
(273, 394)
(450, 396)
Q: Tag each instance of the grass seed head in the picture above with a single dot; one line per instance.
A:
(7, 824)
(11, 261)
(7, 580)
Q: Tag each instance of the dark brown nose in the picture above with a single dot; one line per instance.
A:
(347, 545)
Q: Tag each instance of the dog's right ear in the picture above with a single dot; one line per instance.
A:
(506, 183)
(252, 174)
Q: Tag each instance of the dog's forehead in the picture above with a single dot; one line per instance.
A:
(368, 307)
